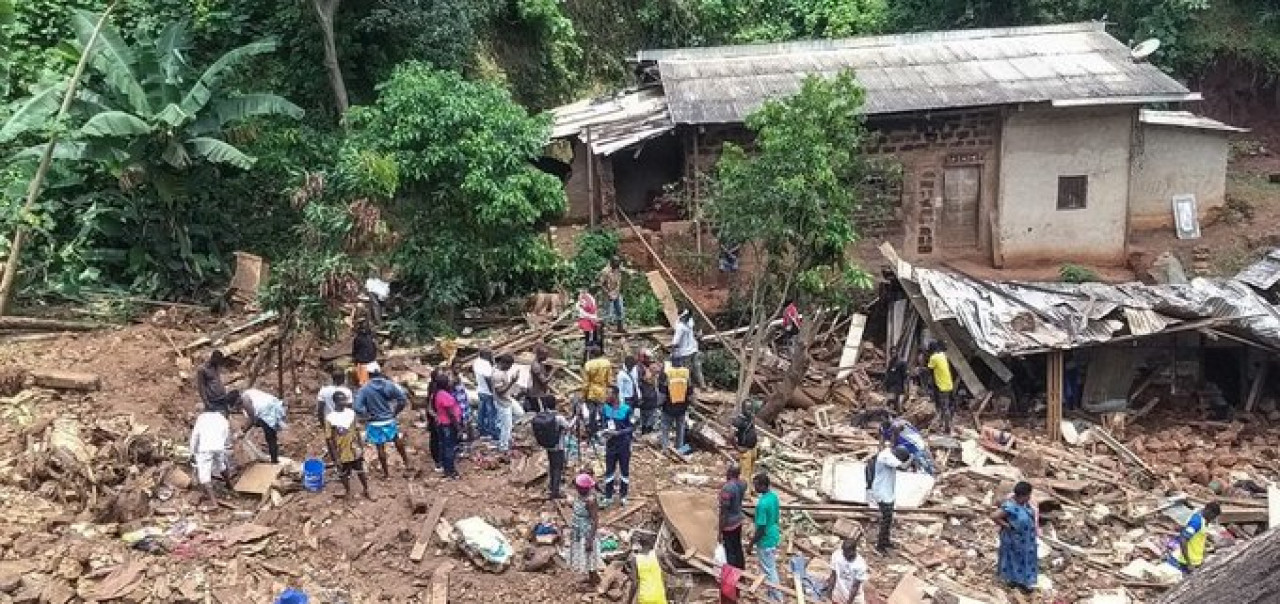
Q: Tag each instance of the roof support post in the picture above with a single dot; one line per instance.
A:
(1053, 386)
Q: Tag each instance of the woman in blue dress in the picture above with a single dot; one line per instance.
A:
(1017, 562)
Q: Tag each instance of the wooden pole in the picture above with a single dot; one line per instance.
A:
(667, 273)
(591, 176)
(46, 160)
(1053, 376)
(697, 209)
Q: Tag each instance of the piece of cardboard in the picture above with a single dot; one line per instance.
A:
(910, 590)
(258, 478)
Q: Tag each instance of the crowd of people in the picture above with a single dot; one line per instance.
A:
(361, 406)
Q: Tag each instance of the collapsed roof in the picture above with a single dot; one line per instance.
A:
(1014, 318)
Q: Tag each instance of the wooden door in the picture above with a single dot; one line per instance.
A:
(961, 199)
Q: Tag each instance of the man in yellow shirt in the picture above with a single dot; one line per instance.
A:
(596, 373)
(943, 385)
(647, 586)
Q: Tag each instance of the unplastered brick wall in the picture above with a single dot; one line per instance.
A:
(927, 143)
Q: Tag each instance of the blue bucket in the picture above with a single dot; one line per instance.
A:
(313, 475)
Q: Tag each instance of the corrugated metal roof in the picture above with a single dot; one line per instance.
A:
(1073, 63)
(1016, 318)
(1185, 119)
(616, 122)
(1263, 274)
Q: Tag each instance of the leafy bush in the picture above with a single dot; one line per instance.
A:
(1074, 273)
(642, 306)
(594, 248)
(720, 369)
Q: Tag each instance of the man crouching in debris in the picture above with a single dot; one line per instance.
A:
(881, 480)
(210, 441)
(1189, 554)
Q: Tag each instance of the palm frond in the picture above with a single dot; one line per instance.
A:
(202, 91)
(174, 116)
(219, 152)
(115, 123)
(112, 58)
(32, 112)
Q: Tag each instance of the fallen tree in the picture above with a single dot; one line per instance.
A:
(1245, 574)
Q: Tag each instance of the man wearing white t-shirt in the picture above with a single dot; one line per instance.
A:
(888, 462)
(324, 398)
(848, 574)
(210, 440)
(487, 419)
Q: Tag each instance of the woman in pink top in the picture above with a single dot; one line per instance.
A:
(588, 322)
(448, 420)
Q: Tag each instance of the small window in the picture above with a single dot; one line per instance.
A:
(1073, 192)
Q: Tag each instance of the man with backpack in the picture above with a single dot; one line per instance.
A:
(550, 429)
(676, 390)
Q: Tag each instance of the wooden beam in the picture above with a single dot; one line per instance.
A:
(440, 583)
(666, 271)
(1053, 377)
(428, 530)
(663, 293)
(1255, 390)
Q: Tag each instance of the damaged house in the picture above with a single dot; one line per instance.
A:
(1016, 145)
(1093, 346)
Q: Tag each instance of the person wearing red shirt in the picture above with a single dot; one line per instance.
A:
(448, 420)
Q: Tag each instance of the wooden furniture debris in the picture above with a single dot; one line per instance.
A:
(251, 272)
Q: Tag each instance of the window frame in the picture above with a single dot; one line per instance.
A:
(1070, 180)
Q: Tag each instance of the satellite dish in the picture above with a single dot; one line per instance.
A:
(1145, 49)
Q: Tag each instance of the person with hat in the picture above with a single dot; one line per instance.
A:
(584, 548)
(379, 402)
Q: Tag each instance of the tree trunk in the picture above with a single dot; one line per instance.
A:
(326, 10)
(1245, 574)
(46, 160)
(781, 396)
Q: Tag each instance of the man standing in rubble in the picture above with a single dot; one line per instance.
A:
(611, 284)
(379, 403)
(884, 477)
(487, 418)
(596, 373)
(684, 347)
(210, 441)
(943, 384)
(768, 532)
(209, 382)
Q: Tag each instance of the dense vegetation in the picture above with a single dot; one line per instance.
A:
(342, 137)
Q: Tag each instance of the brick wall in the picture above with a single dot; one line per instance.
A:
(924, 144)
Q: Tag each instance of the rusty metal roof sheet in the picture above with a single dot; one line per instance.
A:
(1185, 119)
(1017, 318)
(616, 121)
(1075, 64)
(1263, 274)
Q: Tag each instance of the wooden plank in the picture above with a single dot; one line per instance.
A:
(250, 342)
(418, 500)
(852, 344)
(1053, 383)
(440, 583)
(1256, 389)
(259, 478)
(66, 380)
(676, 282)
(218, 336)
(1273, 506)
(36, 324)
(428, 530)
(663, 293)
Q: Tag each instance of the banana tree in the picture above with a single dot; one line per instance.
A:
(152, 115)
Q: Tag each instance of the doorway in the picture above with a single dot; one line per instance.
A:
(961, 199)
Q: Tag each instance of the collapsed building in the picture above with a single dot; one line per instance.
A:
(1094, 346)
(1007, 146)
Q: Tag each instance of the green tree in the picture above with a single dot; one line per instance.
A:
(469, 207)
(709, 22)
(791, 202)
